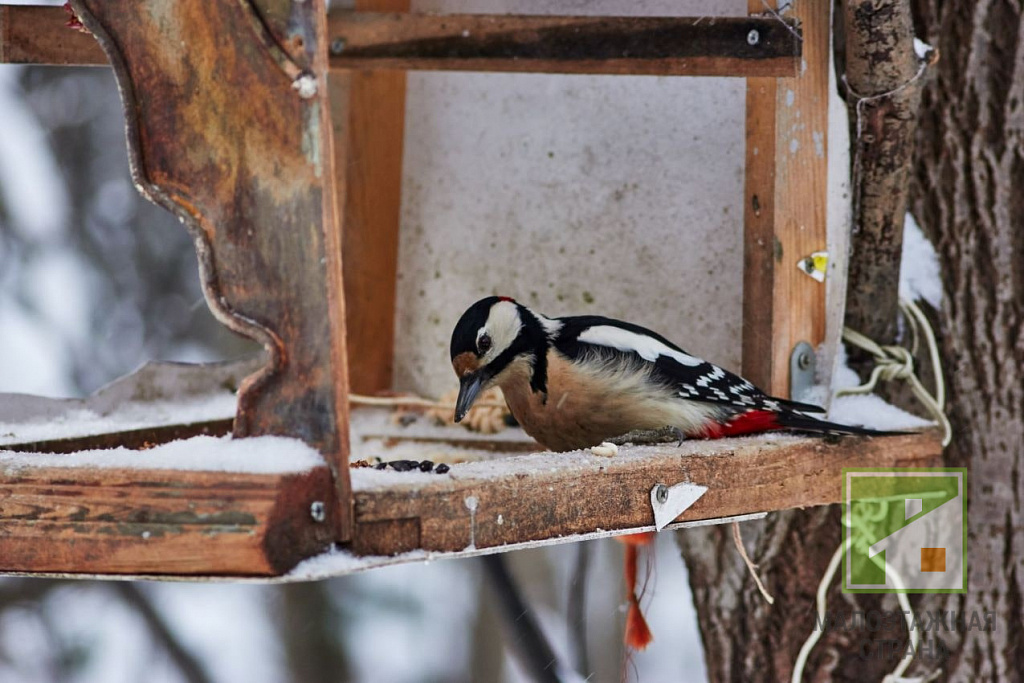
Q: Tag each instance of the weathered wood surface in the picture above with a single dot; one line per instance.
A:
(39, 35)
(368, 114)
(534, 500)
(883, 92)
(134, 439)
(694, 46)
(160, 522)
(681, 46)
(240, 150)
(784, 206)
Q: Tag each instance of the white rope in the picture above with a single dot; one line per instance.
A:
(894, 362)
(822, 601)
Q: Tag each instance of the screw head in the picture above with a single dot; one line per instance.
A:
(753, 37)
(803, 361)
(337, 46)
(661, 493)
(317, 511)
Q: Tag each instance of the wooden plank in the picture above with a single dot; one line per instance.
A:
(159, 522)
(663, 46)
(368, 115)
(784, 207)
(40, 35)
(694, 46)
(532, 498)
(253, 184)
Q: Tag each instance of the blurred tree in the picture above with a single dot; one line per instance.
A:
(129, 262)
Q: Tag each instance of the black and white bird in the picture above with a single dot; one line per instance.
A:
(575, 382)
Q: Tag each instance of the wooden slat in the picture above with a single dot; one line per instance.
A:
(532, 500)
(159, 522)
(368, 115)
(680, 46)
(784, 206)
(39, 35)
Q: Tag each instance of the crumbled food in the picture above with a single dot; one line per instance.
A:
(442, 469)
(606, 449)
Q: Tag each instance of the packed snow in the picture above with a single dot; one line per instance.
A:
(920, 278)
(256, 455)
(84, 422)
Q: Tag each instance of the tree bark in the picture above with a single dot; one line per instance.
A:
(967, 191)
(883, 93)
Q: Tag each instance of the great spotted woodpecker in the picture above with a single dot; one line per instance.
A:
(577, 381)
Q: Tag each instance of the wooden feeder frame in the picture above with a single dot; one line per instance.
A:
(274, 131)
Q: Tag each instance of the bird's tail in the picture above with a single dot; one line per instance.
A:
(757, 421)
(799, 422)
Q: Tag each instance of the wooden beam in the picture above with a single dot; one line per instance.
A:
(368, 115)
(102, 520)
(545, 496)
(680, 46)
(40, 35)
(784, 205)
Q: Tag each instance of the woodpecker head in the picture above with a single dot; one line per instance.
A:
(494, 340)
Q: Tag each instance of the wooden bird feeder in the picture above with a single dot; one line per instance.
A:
(243, 119)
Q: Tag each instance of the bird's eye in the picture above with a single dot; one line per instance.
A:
(483, 344)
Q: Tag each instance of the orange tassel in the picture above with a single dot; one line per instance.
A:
(638, 634)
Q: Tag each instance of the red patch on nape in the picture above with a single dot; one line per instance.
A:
(751, 422)
(507, 298)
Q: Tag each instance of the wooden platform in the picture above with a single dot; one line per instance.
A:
(140, 520)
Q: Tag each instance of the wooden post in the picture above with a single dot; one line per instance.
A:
(784, 205)
(368, 116)
(227, 115)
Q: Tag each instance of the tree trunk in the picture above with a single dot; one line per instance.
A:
(968, 193)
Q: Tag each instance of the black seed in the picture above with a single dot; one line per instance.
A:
(380, 466)
(426, 466)
(442, 468)
(403, 465)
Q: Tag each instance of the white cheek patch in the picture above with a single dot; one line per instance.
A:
(647, 348)
(503, 325)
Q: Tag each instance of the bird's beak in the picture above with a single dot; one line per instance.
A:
(470, 387)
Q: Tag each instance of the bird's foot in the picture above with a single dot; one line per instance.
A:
(648, 437)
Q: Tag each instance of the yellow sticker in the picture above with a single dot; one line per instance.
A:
(815, 265)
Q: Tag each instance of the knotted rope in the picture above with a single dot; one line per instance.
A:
(893, 362)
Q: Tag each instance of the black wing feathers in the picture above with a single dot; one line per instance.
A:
(704, 382)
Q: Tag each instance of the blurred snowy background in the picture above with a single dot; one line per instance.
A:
(93, 282)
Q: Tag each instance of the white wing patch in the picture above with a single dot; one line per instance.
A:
(647, 348)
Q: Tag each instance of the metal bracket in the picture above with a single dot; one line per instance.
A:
(671, 501)
(802, 365)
